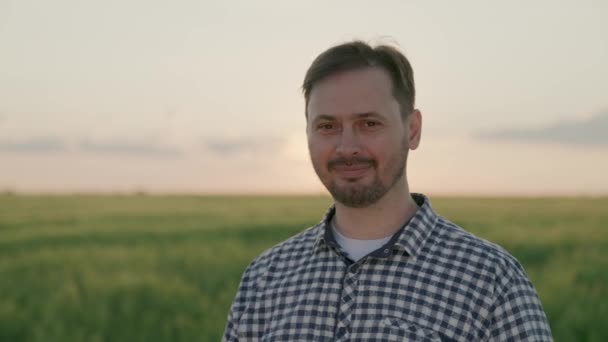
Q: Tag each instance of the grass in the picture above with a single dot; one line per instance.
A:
(166, 268)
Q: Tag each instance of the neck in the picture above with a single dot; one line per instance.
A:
(381, 219)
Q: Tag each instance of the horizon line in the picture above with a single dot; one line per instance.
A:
(156, 193)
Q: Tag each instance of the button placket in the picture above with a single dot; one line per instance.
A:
(348, 299)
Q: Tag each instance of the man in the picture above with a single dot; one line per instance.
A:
(381, 265)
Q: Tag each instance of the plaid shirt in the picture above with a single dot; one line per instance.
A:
(432, 281)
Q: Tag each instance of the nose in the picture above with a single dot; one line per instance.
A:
(349, 144)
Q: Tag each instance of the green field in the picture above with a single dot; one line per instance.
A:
(166, 268)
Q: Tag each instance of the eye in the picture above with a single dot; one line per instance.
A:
(371, 124)
(326, 126)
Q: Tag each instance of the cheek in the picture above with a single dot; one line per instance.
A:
(384, 151)
(379, 146)
(319, 150)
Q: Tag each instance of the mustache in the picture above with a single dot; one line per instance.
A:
(342, 161)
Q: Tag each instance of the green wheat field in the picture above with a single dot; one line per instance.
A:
(166, 268)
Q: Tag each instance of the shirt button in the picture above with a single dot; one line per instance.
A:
(353, 269)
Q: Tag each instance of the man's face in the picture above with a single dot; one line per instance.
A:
(357, 139)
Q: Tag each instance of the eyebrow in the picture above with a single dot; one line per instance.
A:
(368, 115)
(324, 117)
(357, 115)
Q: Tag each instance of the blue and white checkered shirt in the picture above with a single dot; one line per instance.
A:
(432, 281)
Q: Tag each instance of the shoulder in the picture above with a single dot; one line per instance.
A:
(509, 307)
(468, 252)
(283, 254)
(493, 280)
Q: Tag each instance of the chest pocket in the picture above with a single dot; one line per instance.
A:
(406, 331)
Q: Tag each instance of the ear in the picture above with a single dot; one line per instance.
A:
(414, 127)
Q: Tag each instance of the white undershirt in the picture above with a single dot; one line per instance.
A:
(357, 249)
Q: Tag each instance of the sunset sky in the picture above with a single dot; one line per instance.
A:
(204, 96)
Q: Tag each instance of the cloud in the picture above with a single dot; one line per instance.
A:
(592, 131)
(34, 145)
(50, 145)
(128, 148)
(235, 146)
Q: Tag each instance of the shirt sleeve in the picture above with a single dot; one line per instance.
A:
(518, 314)
(245, 296)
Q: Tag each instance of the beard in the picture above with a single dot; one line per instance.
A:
(356, 195)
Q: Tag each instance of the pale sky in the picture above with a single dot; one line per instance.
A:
(204, 96)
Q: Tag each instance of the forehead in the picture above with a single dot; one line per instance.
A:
(352, 92)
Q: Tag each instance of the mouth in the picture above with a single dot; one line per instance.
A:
(351, 170)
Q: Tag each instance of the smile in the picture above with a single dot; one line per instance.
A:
(352, 170)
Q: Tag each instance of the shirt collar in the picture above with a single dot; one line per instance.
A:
(410, 238)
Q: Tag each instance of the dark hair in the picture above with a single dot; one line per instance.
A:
(358, 55)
